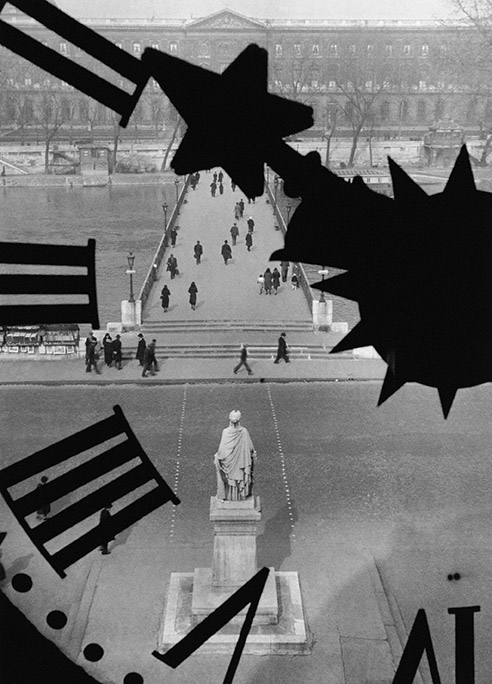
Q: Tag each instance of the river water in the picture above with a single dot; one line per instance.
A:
(120, 218)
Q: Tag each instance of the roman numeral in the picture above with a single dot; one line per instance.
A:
(91, 42)
(80, 476)
(49, 255)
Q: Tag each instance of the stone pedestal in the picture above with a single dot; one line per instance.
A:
(234, 562)
(322, 314)
(131, 314)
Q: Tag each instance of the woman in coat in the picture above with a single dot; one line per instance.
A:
(268, 281)
(276, 279)
(108, 349)
(193, 290)
(165, 294)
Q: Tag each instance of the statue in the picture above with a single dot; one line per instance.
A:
(234, 461)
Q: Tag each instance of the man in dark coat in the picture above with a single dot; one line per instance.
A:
(213, 188)
(174, 235)
(243, 361)
(282, 349)
(249, 241)
(141, 349)
(198, 251)
(234, 233)
(88, 341)
(226, 252)
(251, 224)
(92, 357)
(241, 206)
(172, 265)
(105, 534)
(284, 265)
(220, 176)
(117, 357)
(149, 359)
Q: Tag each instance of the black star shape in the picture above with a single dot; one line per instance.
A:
(424, 287)
(232, 120)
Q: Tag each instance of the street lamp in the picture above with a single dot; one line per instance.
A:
(288, 207)
(164, 209)
(130, 271)
(275, 185)
(323, 273)
(176, 185)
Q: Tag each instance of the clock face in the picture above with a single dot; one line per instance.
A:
(381, 511)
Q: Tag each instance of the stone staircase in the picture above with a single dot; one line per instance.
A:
(222, 338)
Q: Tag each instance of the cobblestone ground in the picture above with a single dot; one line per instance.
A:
(397, 482)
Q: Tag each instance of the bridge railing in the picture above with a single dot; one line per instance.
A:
(151, 276)
(304, 282)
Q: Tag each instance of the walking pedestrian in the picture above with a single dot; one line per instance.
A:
(249, 241)
(213, 188)
(107, 344)
(220, 176)
(276, 279)
(116, 345)
(251, 224)
(234, 233)
(198, 251)
(215, 176)
(88, 342)
(226, 252)
(233, 186)
(193, 181)
(141, 348)
(295, 281)
(174, 235)
(150, 362)
(243, 360)
(93, 356)
(251, 199)
(268, 281)
(105, 534)
(45, 510)
(193, 290)
(165, 294)
(172, 266)
(221, 188)
(282, 352)
(237, 211)
(284, 266)
(241, 206)
(261, 282)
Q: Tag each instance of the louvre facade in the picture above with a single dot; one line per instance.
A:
(399, 69)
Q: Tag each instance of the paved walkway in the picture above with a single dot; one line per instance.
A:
(225, 291)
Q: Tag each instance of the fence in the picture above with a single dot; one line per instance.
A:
(304, 283)
(156, 261)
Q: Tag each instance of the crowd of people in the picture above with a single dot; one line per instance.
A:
(112, 353)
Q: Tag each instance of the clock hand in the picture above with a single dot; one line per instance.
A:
(91, 42)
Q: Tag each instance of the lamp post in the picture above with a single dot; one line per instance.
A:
(288, 207)
(164, 209)
(176, 185)
(130, 271)
(323, 273)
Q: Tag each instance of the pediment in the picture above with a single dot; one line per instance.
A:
(226, 19)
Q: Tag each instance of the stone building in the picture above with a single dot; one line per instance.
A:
(396, 68)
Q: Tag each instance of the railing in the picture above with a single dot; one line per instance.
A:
(151, 276)
(304, 283)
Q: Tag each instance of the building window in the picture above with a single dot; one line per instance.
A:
(119, 44)
(155, 85)
(422, 85)
(204, 50)
(64, 84)
(27, 82)
(385, 110)
(352, 49)
(278, 50)
(368, 85)
(370, 50)
(332, 85)
(314, 77)
(407, 50)
(47, 82)
(424, 50)
(173, 47)
(297, 49)
(63, 48)
(388, 50)
(137, 48)
(421, 110)
(315, 49)
(443, 50)
(439, 110)
(155, 46)
(333, 50)
(403, 110)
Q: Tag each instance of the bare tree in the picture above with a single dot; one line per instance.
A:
(49, 115)
(294, 77)
(158, 105)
